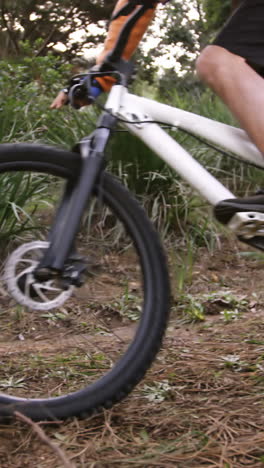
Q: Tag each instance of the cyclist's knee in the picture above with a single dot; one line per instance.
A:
(213, 63)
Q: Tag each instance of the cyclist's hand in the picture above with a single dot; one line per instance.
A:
(60, 100)
(77, 94)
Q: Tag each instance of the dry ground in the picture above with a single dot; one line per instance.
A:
(200, 405)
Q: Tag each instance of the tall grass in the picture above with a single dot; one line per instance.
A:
(21, 195)
(26, 92)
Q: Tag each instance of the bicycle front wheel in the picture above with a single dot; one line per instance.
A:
(71, 352)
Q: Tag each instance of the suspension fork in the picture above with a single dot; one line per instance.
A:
(75, 199)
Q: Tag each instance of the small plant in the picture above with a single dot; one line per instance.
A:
(191, 307)
(233, 362)
(229, 305)
(128, 306)
(158, 391)
(230, 315)
(12, 382)
(195, 307)
(54, 317)
(226, 297)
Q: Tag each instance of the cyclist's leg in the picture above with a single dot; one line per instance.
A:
(232, 67)
(238, 85)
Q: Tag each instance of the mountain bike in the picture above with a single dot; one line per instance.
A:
(93, 295)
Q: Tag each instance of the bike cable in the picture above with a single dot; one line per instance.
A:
(201, 140)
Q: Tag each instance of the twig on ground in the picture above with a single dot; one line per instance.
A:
(43, 436)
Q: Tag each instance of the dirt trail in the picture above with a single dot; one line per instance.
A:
(64, 342)
(200, 405)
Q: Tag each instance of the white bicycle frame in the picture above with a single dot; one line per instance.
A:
(132, 108)
(135, 110)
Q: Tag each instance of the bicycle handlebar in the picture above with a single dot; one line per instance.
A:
(84, 87)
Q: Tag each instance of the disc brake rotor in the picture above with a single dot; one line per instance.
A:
(24, 287)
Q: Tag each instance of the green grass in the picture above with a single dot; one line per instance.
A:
(172, 205)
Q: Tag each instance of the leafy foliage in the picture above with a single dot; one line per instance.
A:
(23, 85)
(26, 87)
(216, 13)
(48, 23)
(176, 36)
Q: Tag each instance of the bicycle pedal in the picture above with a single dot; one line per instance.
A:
(245, 217)
(226, 209)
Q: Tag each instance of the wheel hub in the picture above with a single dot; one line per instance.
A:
(24, 287)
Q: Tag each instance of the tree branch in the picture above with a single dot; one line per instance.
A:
(48, 39)
(9, 31)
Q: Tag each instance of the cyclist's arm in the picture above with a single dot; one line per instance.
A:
(134, 39)
(112, 36)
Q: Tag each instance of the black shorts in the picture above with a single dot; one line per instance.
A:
(243, 34)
